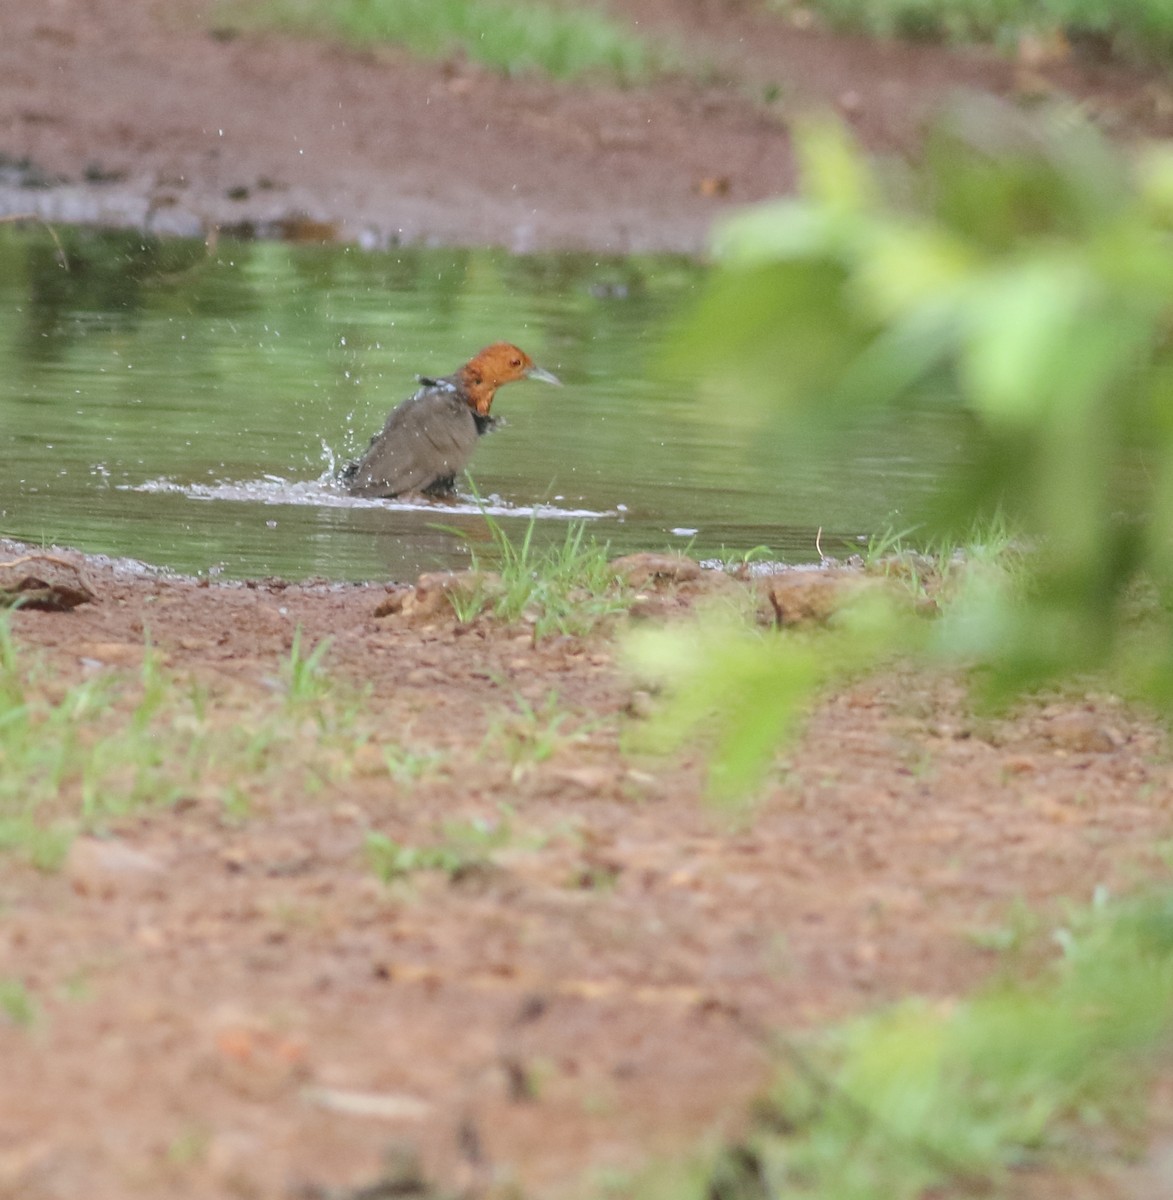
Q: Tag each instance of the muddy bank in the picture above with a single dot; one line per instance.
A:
(149, 115)
(224, 993)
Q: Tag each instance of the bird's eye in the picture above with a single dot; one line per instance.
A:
(515, 362)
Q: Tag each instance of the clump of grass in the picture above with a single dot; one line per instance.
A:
(407, 766)
(512, 36)
(45, 848)
(926, 1097)
(941, 568)
(529, 735)
(1139, 29)
(989, 541)
(467, 846)
(189, 1147)
(738, 562)
(565, 588)
(16, 1005)
(75, 755)
(302, 674)
(1018, 929)
(48, 745)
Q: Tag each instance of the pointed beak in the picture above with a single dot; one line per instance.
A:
(544, 376)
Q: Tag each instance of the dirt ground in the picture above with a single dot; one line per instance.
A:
(144, 116)
(239, 1007)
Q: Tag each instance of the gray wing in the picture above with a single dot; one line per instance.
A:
(427, 438)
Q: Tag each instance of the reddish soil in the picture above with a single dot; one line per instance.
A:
(244, 1009)
(598, 994)
(188, 130)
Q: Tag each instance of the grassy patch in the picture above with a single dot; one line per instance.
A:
(512, 36)
(304, 681)
(408, 766)
(467, 846)
(1139, 29)
(75, 756)
(16, 1005)
(932, 1099)
(944, 568)
(53, 744)
(564, 588)
(527, 736)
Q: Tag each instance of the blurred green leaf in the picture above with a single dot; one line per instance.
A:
(743, 689)
(1020, 327)
(1155, 178)
(936, 1098)
(833, 175)
(908, 266)
(1023, 272)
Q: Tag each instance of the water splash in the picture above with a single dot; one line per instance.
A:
(324, 492)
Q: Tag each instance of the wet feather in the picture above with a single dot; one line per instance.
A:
(430, 438)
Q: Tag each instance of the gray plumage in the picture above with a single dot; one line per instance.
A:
(426, 442)
(428, 439)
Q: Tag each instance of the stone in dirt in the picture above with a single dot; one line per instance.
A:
(1082, 733)
(642, 569)
(107, 868)
(812, 597)
(42, 589)
(433, 593)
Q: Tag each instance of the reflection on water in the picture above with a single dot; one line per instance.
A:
(190, 409)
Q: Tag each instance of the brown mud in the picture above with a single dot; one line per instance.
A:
(236, 1005)
(143, 113)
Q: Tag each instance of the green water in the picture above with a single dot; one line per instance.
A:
(187, 409)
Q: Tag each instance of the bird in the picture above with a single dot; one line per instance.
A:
(430, 437)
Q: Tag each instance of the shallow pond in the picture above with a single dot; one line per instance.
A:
(190, 407)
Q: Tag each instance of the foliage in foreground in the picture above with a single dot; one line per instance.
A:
(742, 689)
(1022, 273)
(514, 36)
(737, 690)
(924, 1096)
(1140, 29)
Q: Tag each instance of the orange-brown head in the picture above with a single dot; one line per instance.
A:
(486, 371)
